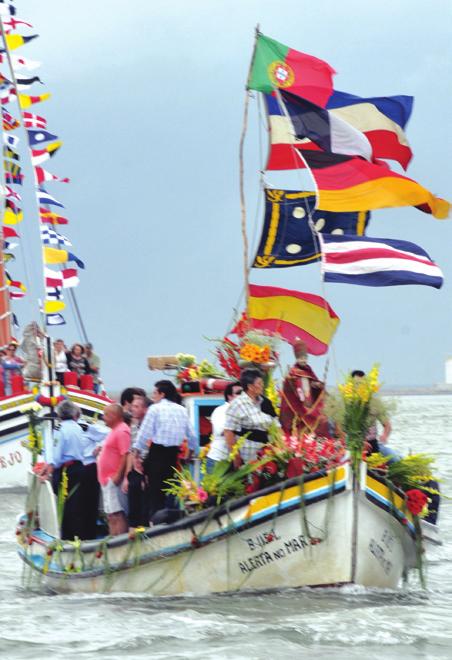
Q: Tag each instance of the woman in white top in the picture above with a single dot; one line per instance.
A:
(60, 359)
(219, 450)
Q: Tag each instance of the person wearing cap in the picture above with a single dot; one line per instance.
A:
(94, 365)
(302, 396)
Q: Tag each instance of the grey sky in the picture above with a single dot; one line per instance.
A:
(148, 99)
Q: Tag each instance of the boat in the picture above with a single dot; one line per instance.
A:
(346, 523)
(331, 529)
(24, 390)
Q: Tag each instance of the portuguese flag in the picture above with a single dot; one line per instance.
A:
(275, 65)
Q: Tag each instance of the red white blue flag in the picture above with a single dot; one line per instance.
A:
(376, 262)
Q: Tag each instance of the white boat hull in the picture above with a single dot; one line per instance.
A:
(268, 542)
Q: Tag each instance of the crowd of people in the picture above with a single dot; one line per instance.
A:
(79, 360)
(131, 461)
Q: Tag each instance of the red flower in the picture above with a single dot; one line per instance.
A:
(415, 501)
(271, 467)
(295, 467)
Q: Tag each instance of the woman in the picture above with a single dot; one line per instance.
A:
(12, 364)
(76, 361)
(60, 360)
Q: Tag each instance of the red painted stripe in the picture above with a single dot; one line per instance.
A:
(291, 333)
(370, 253)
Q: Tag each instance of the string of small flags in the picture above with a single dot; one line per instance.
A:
(42, 146)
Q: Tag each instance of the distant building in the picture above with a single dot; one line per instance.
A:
(448, 371)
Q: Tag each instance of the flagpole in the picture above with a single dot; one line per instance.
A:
(246, 268)
(21, 121)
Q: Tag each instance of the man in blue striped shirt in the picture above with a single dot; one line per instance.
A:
(164, 428)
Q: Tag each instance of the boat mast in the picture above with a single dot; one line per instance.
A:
(246, 267)
(21, 121)
(5, 311)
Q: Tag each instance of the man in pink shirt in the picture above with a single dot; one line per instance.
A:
(111, 466)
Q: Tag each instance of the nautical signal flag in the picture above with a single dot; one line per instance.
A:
(51, 237)
(18, 61)
(11, 23)
(7, 8)
(14, 41)
(10, 233)
(38, 136)
(50, 218)
(377, 262)
(381, 119)
(287, 238)
(44, 198)
(41, 176)
(347, 183)
(9, 122)
(293, 315)
(55, 319)
(66, 278)
(33, 121)
(12, 214)
(10, 153)
(11, 140)
(55, 256)
(39, 156)
(278, 66)
(16, 295)
(15, 283)
(25, 101)
(52, 306)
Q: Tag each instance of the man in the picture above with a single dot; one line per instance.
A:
(219, 450)
(245, 416)
(134, 482)
(94, 365)
(165, 426)
(111, 466)
(302, 396)
(65, 461)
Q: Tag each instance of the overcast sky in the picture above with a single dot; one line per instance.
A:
(148, 99)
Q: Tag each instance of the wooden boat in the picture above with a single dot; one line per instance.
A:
(330, 529)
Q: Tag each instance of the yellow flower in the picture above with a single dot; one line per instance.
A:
(64, 484)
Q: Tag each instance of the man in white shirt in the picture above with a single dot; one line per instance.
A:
(219, 450)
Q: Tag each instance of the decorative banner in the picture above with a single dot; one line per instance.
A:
(66, 278)
(14, 41)
(377, 262)
(12, 214)
(33, 121)
(41, 176)
(52, 306)
(25, 101)
(51, 237)
(9, 122)
(44, 198)
(54, 256)
(11, 140)
(50, 218)
(37, 136)
(38, 156)
(287, 238)
(293, 315)
(13, 173)
(55, 319)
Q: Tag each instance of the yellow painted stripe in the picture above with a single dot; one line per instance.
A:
(382, 193)
(308, 316)
(384, 491)
(267, 501)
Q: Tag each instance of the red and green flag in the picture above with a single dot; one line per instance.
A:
(278, 66)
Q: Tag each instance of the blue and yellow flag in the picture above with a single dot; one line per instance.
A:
(287, 238)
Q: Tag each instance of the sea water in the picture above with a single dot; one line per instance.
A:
(347, 623)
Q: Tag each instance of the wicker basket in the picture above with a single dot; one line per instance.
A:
(162, 362)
